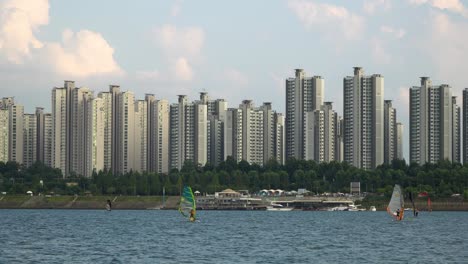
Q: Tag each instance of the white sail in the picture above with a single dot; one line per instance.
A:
(397, 203)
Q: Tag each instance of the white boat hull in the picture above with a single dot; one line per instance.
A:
(282, 209)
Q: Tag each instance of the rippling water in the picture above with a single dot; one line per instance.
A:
(91, 236)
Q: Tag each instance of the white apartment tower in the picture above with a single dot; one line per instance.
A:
(125, 133)
(108, 121)
(431, 122)
(465, 125)
(456, 147)
(59, 129)
(390, 132)
(161, 138)
(363, 111)
(4, 121)
(29, 139)
(252, 133)
(15, 133)
(399, 141)
(81, 132)
(141, 135)
(303, 95)
(279, 138)
(97, 141)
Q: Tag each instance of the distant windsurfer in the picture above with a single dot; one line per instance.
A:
(398, 214)
(109, 205)
(192, 215)
(416, 212)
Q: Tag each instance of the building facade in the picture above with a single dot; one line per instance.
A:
(363, 112)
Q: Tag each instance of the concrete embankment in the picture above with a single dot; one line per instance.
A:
(87, 202)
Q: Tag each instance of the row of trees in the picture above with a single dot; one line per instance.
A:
(441, 180)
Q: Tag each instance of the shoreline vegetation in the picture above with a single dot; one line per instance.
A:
(171, 202)
(446, 184)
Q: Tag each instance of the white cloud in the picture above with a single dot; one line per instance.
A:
(455, 6)
(153, 75)
(371, 6)
(397, 33)
(379, 54)
(19, 19)
(83, 54)
(330, 18)
(175, 9)
(448, 38)
(181, 70)
(186, 42)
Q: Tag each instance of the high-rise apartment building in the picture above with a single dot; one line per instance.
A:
(141, 135)
(108, 121)
(125, 133)
(303, 95)
(431, 122)
(278, 141)
(252, 133)
(161, 135)
(44, 136)
(399, 141)
(97, 142)
(15, 151)
(456, 147)
(29, 139)
(4, 125)
(81, 132)
(390, 132)
(465, 125)
(363, 111)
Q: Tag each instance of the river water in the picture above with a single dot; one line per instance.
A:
(153, 236)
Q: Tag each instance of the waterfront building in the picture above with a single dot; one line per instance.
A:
(465, 125)
(431, 122)
(217, 112)
(363, 111)
(390, 132)
(330, 126)
(141, 136)
(81, 132)
(339, 144)
(117, 118)
(278, 141)
(125, 133)
(399, 141)
(15, 133)
(62, 127)
(303, 95)
(108, 121)
(4, 125)
(44, 136)
(161, 138)
(29, 139)
(252, 133)
(456, 147)
(97, 141)
(233, 134)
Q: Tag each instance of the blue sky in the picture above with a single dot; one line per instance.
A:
(232, 49)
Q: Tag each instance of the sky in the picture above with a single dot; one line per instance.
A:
(234, 50)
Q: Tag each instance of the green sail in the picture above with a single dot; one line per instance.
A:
(187, 202)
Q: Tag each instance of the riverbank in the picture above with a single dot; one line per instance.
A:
(86, 202)
(171, 203)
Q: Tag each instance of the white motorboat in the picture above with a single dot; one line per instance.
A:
(372, 208)
(278, 207)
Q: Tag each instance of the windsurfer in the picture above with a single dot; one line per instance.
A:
(398, 213)
(192, 215)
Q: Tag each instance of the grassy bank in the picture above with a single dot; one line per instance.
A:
(85, 202)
